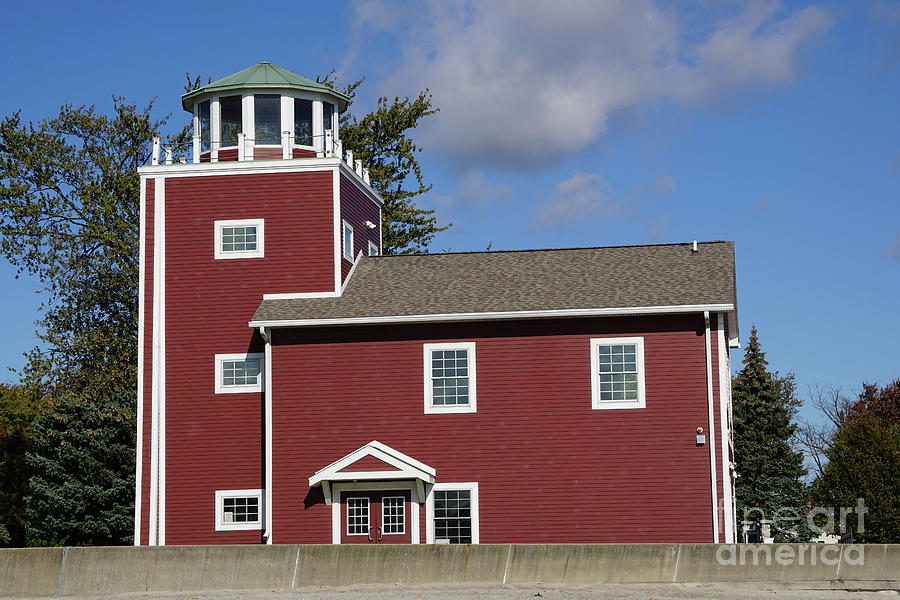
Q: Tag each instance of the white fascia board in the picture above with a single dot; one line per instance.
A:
(407, 467)
(366, 189)
(278, 165)
(496, 316)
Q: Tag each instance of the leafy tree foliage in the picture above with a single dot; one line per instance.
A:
(770, 472)
(864, 462)
(381, 140)
(82, 490)
(18, 409)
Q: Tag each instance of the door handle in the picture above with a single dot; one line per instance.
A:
(380, 535)
(371, 539)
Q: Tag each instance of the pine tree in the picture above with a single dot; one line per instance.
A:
(770, 471)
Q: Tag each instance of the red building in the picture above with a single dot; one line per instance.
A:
(296, 387)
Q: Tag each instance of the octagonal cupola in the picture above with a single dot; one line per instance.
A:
(264, 112)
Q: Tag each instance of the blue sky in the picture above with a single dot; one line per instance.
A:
(776, 125)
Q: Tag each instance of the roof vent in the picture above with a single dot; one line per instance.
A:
(694, 247)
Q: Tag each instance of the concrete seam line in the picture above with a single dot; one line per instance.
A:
(62, 572)
(837, 574)
(677, 558)
(296, 562)
(506, 570)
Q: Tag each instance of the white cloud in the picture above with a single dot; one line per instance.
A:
(582, 196)
(526, 81)
(473, 191)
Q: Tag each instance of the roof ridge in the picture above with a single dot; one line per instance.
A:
(520, 250)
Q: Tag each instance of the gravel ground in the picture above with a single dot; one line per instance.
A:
(522, 592)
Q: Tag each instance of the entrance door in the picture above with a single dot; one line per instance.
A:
(375, 517)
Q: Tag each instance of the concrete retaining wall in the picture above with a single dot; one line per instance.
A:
(55, 572)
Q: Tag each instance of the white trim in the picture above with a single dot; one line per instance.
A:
(248, 123)
(734, 339)
(429, 508)
(297, 295)
(350, 273)
(158, 393)
(338, 241)
(221, 525)
(364, 187)
(334, 500)
(596, 402)
(430, 407)
(219, 385)
(403, 506)
(267, 512)
(345, 227)
(139, 442)
(724, 428)
(491, 316)
(374, 247)
(407, 467)
(711, 432)
(218, 226)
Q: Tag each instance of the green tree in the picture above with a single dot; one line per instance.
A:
(769, 470)
(18, 410)
(381, 140)
(864, 462)
(82, 490)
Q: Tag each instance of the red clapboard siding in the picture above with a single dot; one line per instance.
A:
(550, 469)
(356, 209)
(214, 441)
(301, 153)
(147, 363)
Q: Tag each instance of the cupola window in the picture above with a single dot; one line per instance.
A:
(231, 119)
(205, 124)
(302, 122)
(267, 118)
(327, 114)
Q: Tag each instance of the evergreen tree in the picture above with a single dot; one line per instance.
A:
(18, 410)
(82, 490)
(769, 484)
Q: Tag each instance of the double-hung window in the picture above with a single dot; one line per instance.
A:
(348, 241)
(238, 509)
(450, 377)
(239, 373)
(239, 238)
(452, 514)
(617, 372)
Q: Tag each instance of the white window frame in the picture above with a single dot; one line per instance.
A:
(218, 226)
(348, 255)
(472, 487)
(430, 407)
(220, 386)
(368, 514)
(598, 404)
(221, 525)
(373, 249)
(402, 514)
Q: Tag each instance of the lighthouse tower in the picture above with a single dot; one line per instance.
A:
(268, 207)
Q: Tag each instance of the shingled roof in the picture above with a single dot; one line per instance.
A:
(521, 284)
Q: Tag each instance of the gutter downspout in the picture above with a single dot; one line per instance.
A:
(712, 439)
(267, 435)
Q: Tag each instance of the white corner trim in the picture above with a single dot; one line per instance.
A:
(139, 416)
(407, 467)
(218, 226)
(472, 486)
(596, 402)
(724, 410)
(336, 228)
(430, 407)
(495, 316)
(267, 381)
(221, 525)
(158, 375)
(219, 385)
(345, 254)
(711, 432)
(350, 273)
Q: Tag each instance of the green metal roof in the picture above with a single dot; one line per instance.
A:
(262, 75)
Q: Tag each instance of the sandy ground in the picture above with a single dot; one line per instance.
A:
(522, 592)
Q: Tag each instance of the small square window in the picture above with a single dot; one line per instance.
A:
(450, 377)
(239, 373)
(617, 373)
(348, 241)
(238, 509)
(239, 239)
